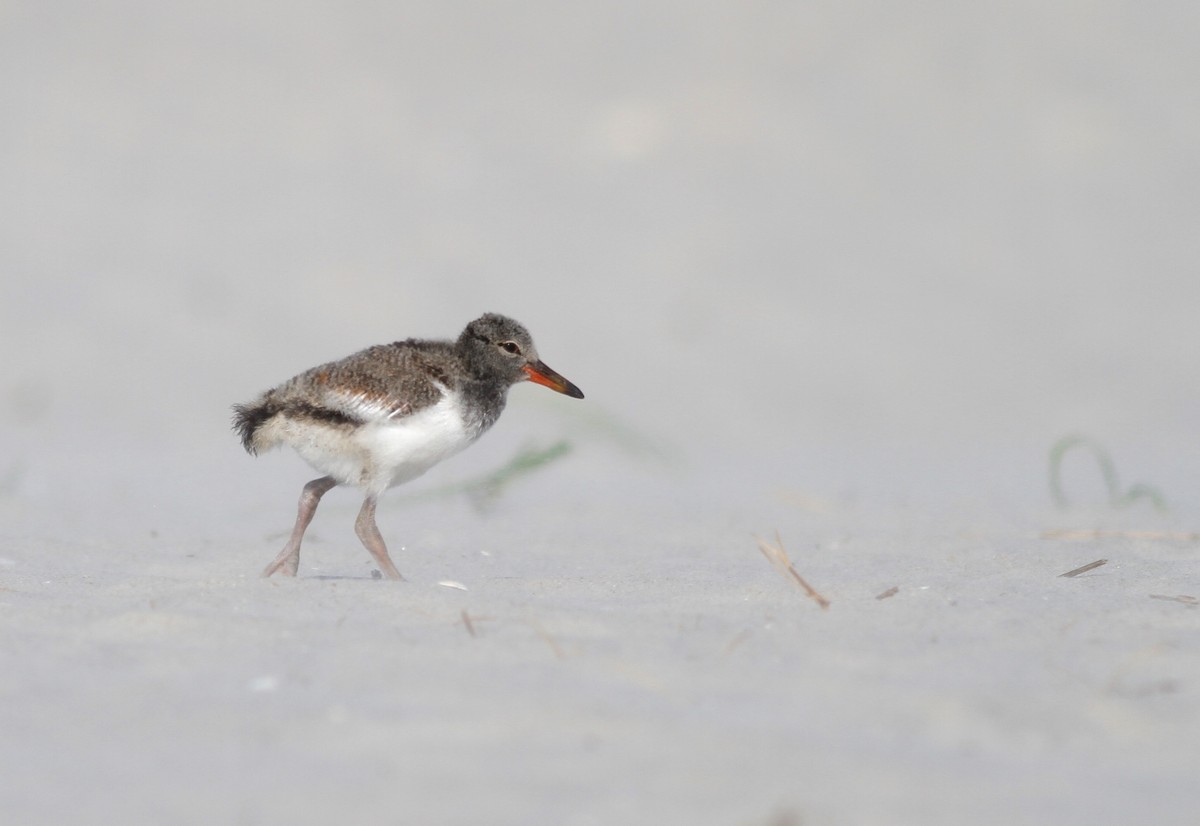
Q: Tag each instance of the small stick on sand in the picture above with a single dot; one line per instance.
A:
(776, 555)
(466, 621)
(1082, 534)
(1184, 598)
(550, 641)
(1083, 569)
(889, 593)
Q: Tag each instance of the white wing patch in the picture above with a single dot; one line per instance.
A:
(367, 407)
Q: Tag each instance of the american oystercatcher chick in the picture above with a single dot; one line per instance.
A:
(389, 413)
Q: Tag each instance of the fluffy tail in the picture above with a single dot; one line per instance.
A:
(248, 418)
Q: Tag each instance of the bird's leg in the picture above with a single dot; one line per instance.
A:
(288, 560)
(368, 532)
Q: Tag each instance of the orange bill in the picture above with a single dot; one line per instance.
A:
(539, 373)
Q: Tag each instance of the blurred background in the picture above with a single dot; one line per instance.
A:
(840, 248)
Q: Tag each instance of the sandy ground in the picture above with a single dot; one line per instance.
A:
(844, 272)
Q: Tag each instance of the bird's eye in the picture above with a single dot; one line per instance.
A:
(511, 347)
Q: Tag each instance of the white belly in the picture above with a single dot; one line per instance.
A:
(380, 454)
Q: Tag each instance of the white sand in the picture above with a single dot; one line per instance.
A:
(842, 272)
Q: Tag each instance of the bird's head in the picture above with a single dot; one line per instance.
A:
(499, 346)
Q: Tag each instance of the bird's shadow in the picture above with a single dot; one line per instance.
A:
(374, 577)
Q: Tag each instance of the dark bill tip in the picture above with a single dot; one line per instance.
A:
(539, 373)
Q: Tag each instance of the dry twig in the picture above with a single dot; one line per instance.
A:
(1083, 569)
(559, 653)
(890, 592)
(1184, 598)
(778, 557)
(466, 621)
